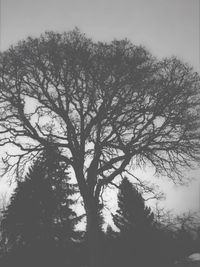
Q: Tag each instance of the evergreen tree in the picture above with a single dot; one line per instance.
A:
(136, 225)
(132, 214)
(39, 217)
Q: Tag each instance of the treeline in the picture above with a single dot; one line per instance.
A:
(40, 227)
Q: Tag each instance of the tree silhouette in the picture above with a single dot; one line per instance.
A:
(136, 224)
(132, 214)
(39, 219)
(105, 106)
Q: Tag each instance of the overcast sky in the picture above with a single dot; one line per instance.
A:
(165, 27)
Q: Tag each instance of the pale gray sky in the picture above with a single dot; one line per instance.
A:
(165, 27)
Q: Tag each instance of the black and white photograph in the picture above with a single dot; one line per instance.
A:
(100, 133)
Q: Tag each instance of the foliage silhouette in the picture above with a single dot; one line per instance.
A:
(105, 106)
(132, 213)
(39, 222)
(136, 224)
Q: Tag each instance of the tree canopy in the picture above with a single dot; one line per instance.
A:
(107, 107)
(103, 104)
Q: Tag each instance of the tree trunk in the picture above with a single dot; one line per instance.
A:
(94, 237)
(93, 231)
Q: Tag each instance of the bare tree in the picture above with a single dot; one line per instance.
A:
(106, 106)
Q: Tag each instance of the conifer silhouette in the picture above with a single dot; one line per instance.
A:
(39, 218)
(132, 214)
(136, 223)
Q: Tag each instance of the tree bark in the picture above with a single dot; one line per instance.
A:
(94, 237)
(94, 234)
